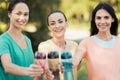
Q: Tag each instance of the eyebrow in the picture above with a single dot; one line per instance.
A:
(24, 12)
(57, 20)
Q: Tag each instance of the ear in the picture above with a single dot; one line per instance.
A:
(66, 23)
(49, 28)
(113, 19)
(9, 14)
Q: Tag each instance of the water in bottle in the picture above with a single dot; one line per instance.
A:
(66, 59)
(53, 62)
(40, 59)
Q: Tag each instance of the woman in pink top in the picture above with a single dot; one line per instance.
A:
(102, 49)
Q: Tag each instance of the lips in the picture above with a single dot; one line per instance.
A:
(58, 30)
(21, 23)
(103, 26)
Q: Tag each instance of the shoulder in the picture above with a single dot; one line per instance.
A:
(47, 42)
(72, 43)
(46, 46)
(87, 39)
(43, 44)
(117, 38)
(4, 37)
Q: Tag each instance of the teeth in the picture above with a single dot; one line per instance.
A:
(21, 23)
(58, 30)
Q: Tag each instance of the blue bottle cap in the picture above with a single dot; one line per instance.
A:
(66, 55)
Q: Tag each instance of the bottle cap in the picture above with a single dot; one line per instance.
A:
(40, 55)
(66, 55)
(53, 54)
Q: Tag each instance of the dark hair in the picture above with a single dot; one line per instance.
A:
(13, 3)
(110, 10)
(56, 11)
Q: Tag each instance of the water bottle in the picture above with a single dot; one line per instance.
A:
(53, 62)
(66, 59)
(40, 58)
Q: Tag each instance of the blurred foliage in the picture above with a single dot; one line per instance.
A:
(82, 72)
(77, 12)
(80, 10)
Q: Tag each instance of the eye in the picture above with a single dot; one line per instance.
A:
(98, 17)
(52, 23)
(60, 21)
(18, 13)
(106, 17)
(26, 14)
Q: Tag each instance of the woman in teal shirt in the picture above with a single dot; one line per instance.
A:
(16, 55)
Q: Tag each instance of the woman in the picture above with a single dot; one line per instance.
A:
(101, 50)
(16, 55)
(57, 23)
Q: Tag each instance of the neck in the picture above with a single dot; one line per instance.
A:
(104, 36)
(14, 31)
(59, 42)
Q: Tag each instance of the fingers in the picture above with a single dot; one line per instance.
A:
(49, 74)
(35, 70)
(61, 68)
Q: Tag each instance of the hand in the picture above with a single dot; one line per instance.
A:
(61, 68)
(35, 70)
(40, 62)
(49, 75)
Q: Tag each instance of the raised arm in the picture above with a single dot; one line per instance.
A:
(78, 57)
(9, 67)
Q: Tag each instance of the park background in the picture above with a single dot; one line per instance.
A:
(78, 13)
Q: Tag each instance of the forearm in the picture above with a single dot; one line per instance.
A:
(16, 70)
(77, 58)
(79, 66)
(9, 67)
(12, 68)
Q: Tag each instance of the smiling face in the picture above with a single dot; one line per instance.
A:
(57, 24)
(103, 20)
(19, 15)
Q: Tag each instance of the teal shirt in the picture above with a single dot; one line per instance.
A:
(19, 56)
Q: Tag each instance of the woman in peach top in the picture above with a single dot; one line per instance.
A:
(102, 49)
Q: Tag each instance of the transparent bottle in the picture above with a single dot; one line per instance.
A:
(53, 63)
(40, 59)
(66, 59)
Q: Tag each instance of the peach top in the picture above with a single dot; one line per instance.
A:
(102, 62)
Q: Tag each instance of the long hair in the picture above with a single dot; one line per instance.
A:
(12, 5)
(110, 10)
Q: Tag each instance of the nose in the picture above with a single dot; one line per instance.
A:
(21, 17)
(102, 20)
(57, 25)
